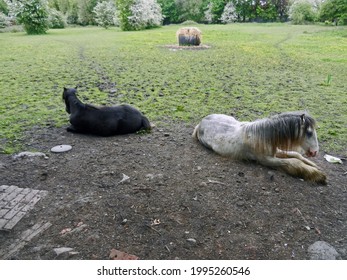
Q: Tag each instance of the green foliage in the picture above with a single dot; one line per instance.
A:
(69, 8)
(56, 19)
(215, 10)
(302, 12)
(267, 12)
(170, 11)
(190, 10)
(85, 11)
(33, 14)
(3, 7)
(124, 12)
(334, 11)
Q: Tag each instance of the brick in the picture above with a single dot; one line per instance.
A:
(11, 223)
(3, 212)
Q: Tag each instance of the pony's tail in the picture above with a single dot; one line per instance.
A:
(195, 134)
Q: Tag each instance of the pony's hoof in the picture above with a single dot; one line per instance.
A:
(321, 179)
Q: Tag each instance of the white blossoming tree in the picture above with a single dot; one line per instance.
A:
(105, 14)
(208, 13)
(139, 14)
(229, 13)
(145, 14)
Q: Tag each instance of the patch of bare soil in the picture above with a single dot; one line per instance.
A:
(187, 48)
(164, 196)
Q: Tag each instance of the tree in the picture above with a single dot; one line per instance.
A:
(105, 13)
(169, 11)
(138, 14)
(4, 20)
(33, 14)
(266, 10)
(334, 11)
(208, 13)
(123, 12)
(302, 11)
(229, 13)
(190, 10)
(85, 11)
(214, 10)
(67, 7)
(282, 9)
(145, 14)
(3, 7)
(56, 19)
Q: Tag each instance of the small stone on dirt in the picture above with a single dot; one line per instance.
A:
(191, 240)
(119, 255)
(62, 250)
(322, 250)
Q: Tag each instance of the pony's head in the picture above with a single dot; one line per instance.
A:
(309, 141)
(287, 131)
(66, 94)
(302, 135)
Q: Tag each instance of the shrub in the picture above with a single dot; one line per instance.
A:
(56, 19)
(105, 14)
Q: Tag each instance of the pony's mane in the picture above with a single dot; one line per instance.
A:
(76, 101)
(284, 131)
(92, 107)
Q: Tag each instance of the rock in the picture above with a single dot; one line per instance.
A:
(30, 154)
(322, 250)
(191, 240)
(240, 203)
(124, 180)
(119, 255)
(202, 185)
(62, 250)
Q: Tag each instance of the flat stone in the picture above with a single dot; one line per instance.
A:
(61, 148)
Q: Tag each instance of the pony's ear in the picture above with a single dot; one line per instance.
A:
(65, 88)
(302, 117)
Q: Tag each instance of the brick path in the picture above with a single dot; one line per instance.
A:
(15, 202)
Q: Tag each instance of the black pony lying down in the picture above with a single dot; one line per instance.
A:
(102, 121)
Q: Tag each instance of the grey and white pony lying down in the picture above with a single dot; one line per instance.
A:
(278, 141)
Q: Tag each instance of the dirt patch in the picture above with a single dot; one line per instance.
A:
(187, 48)
(164, 196)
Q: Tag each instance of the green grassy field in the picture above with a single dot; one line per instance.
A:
(250, 71)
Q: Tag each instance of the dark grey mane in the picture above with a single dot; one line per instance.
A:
(284, 131)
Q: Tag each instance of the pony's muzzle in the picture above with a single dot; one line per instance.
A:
(310, 153)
